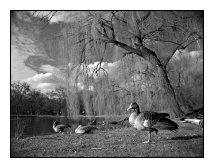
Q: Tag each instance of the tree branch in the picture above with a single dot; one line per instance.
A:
(125, 46)
(179, 46)
(138, 21)
(126, 53)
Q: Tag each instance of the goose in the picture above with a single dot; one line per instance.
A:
(84, 129)
(195, 117)
(150, 121)
(59, 127)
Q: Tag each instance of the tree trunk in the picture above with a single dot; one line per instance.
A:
(170, 93)
(151, 57)
(165, 84)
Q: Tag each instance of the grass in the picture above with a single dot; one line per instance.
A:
(113, 141)
(20, 125)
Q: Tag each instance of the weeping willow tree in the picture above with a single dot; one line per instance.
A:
(100, 34)
(143, 42)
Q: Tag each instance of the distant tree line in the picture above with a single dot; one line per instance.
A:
(28, 101)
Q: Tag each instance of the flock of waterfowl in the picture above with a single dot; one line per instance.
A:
(149, 121)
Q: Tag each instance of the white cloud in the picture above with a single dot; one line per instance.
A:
(46, 86)
(40, 78)
(196, 53)
(59, 16)
(48, 81)
(49, 68)
(67, 16)
(44, 81)
(54, 77)
(57, 72)
(188, 54)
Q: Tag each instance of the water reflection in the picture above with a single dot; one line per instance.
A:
(43, 125)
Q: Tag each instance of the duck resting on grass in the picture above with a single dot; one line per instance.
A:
(85, 129)
(59, 128)
(150, 121)
(196, 117)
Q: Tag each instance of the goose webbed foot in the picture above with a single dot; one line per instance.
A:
(149, 137)
(147, 141)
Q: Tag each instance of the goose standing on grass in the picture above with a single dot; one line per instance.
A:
(60, 127)
(150, 121)
(195, 117)
(85, 129)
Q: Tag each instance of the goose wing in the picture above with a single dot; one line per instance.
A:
(150, 118)
(84, 129)
(160, 121)
(147, 118)
(61, 127)
(88, 128)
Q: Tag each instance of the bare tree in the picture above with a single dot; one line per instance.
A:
(139, 32)
(60, 96)
(18, 92)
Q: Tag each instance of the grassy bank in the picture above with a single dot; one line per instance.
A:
(113, 141)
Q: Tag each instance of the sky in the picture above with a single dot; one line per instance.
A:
(31, 60)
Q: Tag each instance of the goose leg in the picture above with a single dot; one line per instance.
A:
(153, 129)
(150, 130)
(149, 137)
(135, 134)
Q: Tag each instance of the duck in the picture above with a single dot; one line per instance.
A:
(150, 121)
(196, 117)
(85, 129)
(59, 128)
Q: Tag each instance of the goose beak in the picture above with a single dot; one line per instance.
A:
(130, 107)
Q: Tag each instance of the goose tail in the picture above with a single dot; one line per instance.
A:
(165, 115)
(167, 124)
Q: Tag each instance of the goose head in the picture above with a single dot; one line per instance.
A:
(79, 126)
(55, 123)
(79, 130)
(133, 106)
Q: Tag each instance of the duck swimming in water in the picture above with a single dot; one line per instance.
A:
(150, 121)
(85, 129)
(60, 127)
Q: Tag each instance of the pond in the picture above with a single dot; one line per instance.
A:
(26, 126)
